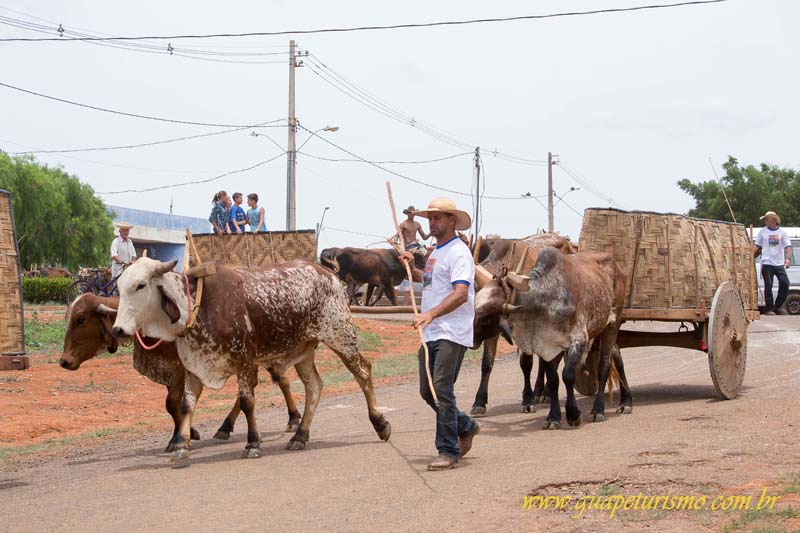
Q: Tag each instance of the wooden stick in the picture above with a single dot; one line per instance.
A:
(413, 298)
(199, 294)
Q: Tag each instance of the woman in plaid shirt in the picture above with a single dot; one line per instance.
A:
(219, 217)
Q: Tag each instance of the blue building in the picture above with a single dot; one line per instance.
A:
(163, 235)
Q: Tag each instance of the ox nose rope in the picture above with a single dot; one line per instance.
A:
(188, 325)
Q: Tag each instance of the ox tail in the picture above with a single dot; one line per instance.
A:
(613, 381)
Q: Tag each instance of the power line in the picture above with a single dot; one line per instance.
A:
(371, 28)
(586, 184)
(365, 98)
(407, 178)
(134, 115)
(129, 146)
(425, 161)
(196, 182)
(356, 232)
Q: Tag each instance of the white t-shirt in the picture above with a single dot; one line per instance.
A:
(449, 264)
(125, 251)
(773, 244)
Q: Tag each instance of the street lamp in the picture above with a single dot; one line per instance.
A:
(561, 198)
(319, 229)
(326, 128)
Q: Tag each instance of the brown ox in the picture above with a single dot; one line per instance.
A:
(273, 316)
(499, 254)
(54, 272)
(572, 301)
(89, 334)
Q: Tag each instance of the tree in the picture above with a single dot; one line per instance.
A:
(59, 220)
(752, 191)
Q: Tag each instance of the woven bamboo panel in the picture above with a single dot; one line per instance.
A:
(11, 315)
(671, 261)
(250, 250)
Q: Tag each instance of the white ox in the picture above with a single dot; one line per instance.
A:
(274, 317)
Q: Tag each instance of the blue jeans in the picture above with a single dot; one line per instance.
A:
(445, 362)
(767, 271)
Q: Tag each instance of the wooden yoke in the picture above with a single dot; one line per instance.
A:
(199, 271)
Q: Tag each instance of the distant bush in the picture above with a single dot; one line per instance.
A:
(42, 290)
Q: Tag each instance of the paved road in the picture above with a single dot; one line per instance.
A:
(680, 438)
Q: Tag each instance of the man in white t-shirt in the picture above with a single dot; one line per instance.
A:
(448, 310)
(775, 248)
(122, 251)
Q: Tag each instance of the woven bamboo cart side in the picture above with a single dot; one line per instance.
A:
(249, 250)
(12, 324)
(683, 269)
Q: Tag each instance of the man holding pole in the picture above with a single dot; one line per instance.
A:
(448, 311)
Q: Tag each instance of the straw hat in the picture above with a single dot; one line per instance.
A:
(771, 214)
(446, 205)
(124, 225)
(409, 210)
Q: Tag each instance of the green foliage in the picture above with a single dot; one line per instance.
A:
(751, 190)
(59, 220)
(42, 290)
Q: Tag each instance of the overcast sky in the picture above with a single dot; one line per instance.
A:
(632, 102)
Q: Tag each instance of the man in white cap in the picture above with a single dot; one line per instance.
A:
(775, 248)
(122, 251)
(448, 310)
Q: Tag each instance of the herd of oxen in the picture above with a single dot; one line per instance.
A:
(567, 306)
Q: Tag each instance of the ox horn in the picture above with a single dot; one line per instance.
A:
(509, 308)
(163, 268)
(103, 309)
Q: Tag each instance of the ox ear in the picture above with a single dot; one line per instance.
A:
(169, 306)
(108, 337)
(505, 330)
(163, 268)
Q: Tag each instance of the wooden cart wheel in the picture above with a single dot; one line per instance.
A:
(587, 385)
(727, 341)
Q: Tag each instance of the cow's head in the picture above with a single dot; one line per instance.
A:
(491, 313)
(89, 319)
(153, 300)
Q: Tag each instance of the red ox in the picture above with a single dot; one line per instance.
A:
(273, 316)
(572, 301)
(89, 320)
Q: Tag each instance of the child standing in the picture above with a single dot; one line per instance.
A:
(237, 217)
(255, 215)
(218, 216)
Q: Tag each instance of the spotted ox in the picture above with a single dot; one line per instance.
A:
(572, 301)
(89, 321)
(498, 254)
(273, 316)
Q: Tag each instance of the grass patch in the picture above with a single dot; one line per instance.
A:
(395, 366)
(45, 337)
(14, 451)
(609, 489)
(367, 340)
(791, 484)
(761, 520)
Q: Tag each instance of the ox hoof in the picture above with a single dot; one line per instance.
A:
(292, 426)
(194, 434)
(295, 445)
(251, 453)
(180, 455)
(386, 432)
(222, 435)
(527, 408)
(170, 447)
(477, 411)
(625, 409)
(598, 417)
(552, 424)
(574, 423)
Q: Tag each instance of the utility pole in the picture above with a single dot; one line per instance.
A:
(550, 163)
(477, 213)
(291, 153)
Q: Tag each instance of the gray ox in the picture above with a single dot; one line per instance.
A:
(280, 314)
(499, 254)
(88, 334)
(572, 301)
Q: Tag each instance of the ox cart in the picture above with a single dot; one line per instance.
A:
(249, 250)
(699, 273)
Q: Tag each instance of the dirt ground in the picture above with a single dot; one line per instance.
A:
(680, 441)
